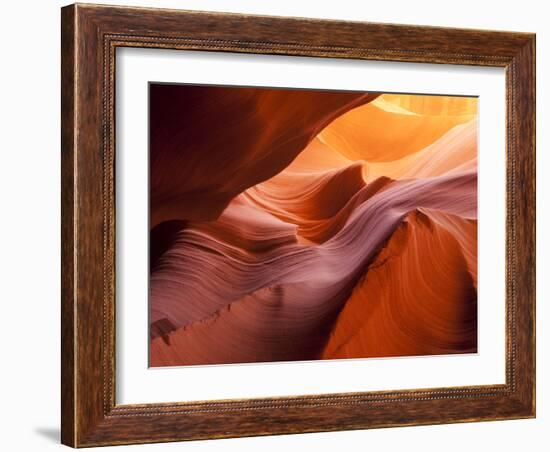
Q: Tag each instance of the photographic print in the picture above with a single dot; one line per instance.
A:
(269, 225)
(300, 224)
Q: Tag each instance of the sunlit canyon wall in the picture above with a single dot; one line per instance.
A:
(302, 225)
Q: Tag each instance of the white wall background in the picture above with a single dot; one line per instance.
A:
(30, 225)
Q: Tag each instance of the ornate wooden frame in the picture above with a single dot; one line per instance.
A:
(90, 35)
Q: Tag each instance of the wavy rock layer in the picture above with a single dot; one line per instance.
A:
(402, 308)
(208, 144)
(313, 225)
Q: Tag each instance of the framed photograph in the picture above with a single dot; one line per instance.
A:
(282, 225)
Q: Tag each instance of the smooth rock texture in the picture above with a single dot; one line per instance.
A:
(299, 224)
